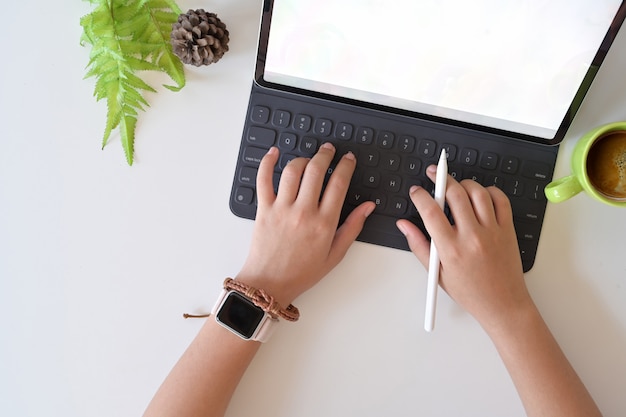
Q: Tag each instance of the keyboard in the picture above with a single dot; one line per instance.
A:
(392, 154)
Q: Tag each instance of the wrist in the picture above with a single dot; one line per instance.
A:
(512, 320)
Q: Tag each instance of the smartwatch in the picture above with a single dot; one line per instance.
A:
(241, 316)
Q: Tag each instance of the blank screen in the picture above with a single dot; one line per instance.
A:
(514, 65)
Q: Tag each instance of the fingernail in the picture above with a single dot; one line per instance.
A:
(272, 150)
(370, 210)
(432, 169)
(328, 145)
(414, 188)
(349, 155)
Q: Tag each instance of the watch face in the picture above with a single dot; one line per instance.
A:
(240, 314)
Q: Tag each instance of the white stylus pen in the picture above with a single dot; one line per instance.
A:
(433, 263)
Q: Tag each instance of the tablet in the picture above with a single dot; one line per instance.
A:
(494, 83)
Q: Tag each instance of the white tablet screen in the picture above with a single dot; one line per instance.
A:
(513, 65)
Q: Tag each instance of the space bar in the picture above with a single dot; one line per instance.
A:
(382, 230)
(382, 224)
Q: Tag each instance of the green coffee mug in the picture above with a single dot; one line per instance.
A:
(598, 167)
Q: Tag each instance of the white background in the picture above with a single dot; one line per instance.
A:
(99, 260)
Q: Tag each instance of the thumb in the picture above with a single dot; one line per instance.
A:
(419, 244)
(350, 229)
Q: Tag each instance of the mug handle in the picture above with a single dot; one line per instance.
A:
(563, 189)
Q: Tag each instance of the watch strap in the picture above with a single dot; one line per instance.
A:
(266, 329)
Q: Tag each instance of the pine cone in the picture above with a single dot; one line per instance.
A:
(199, 38)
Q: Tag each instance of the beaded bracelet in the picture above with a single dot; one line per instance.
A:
(260, 298)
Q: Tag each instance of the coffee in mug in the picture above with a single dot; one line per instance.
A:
(606, 165)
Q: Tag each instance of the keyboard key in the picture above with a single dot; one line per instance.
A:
(260, 114)
(308, 146)
(261, 136)
(244, 195)
(476, 176)
(526, 250)
(536, 192)
(496, 180)
(407, 143)
(456, 173)
(398, 206)
(527, 234)
(527, 213)
(384, 224)
(510, 165)
(469, 156)
(371, 179)
(343, 149)
(323, 127)
(365, 135)
(514, 188)
(287, 141)
(427, 148)
(489, 160)
(285, 159)
(343, 131)
(370, 158)
(380, 200)
(391, 162)
(536, 171)
(281, 118)
(450, 152)
(392, 183)
(385, 140)
(356, 197)
(252, 155)
(302, 122)
(412, 166)
(247, 175)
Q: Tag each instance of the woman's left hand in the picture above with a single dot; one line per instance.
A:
(296, 241)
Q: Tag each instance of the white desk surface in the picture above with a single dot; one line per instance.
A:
(98, 260)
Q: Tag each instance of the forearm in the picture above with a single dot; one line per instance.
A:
(205, 377)
(546, 382)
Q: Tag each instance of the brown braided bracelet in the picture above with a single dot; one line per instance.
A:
(263, 300)
(260, 299)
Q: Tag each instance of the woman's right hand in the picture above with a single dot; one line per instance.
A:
(481, 267)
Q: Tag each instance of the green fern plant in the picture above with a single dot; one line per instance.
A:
(126, 38)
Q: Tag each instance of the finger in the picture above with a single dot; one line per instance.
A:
(481, 201)
(434, 219)
(418, 243)
(501, 205)
(337, 187)
(290, 180)
(457, 199)
(313, 177)
(264, 179)
(348, 232)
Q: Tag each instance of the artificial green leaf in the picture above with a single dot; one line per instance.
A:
(127, 37)
(127, 130)
(138, 82)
